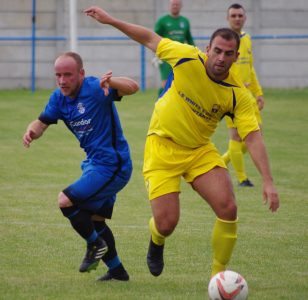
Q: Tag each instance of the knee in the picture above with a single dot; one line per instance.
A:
(166, 225)
(64, 201)
(227, 210)
(98, 218)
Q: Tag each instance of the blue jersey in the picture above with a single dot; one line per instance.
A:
(92, 117)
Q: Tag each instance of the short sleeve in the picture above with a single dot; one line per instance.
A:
(51, 114)
(171, 51)
(244, 115)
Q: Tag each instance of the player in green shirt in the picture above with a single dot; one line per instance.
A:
(175, 27)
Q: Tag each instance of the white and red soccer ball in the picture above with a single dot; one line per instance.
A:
(228, 285)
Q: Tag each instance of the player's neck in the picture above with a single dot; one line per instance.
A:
(238, 31)
(75, 94)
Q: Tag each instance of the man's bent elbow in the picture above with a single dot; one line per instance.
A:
(133, 87)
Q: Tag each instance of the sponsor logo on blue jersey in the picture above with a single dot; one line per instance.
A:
(81, 128)
(82, 122)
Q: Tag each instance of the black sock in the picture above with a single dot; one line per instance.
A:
(111, 258)
(118, 270)
(81, 222)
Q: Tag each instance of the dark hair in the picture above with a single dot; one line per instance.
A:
(227, 34)
(236, 6)
(75, 56)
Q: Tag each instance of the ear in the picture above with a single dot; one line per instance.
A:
(82, 72)
(207, 49)
(237, 55)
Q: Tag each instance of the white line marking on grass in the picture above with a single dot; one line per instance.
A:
(62, 225)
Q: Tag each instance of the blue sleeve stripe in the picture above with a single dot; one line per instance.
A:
(183, 60)
(168, 84)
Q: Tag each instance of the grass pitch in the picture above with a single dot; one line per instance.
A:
(40, 253)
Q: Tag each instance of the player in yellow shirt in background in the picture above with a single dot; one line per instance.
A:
(244, 68)
(201, 92)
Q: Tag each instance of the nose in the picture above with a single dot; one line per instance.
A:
(221, 56)
(61, 79)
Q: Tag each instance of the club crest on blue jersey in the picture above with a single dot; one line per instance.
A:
(81, 108)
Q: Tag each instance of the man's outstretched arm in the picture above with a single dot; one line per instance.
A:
(140, 34)
(257, 150)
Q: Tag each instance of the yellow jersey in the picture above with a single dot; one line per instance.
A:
(190, 109)
(244, 68)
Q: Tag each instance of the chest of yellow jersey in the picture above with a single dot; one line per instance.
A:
(245, 51)
(243, 66)
(190, 110)
(206, 100)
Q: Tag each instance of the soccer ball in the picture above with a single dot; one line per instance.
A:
(228, 285)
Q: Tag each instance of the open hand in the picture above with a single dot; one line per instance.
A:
(98, 14)
(156, 61)
(105, 82)
(28, 138)
(271, 197)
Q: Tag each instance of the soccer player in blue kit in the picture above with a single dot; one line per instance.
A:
(86, 106)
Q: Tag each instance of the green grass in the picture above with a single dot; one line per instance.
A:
(40, 253)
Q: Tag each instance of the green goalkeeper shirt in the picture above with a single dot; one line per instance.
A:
(177, 29)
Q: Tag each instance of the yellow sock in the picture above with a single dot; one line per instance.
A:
(157, 238)
(237, 159)
(223, 240)
(226, 157)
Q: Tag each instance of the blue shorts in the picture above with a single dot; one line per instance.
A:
(97, 187)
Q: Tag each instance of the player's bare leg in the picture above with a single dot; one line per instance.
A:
(216, 188)
(166, 212)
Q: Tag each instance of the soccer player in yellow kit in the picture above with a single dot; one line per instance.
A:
(244, 69)
(200, 93)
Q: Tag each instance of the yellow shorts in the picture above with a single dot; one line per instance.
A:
(230, 123)
(165, 162)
